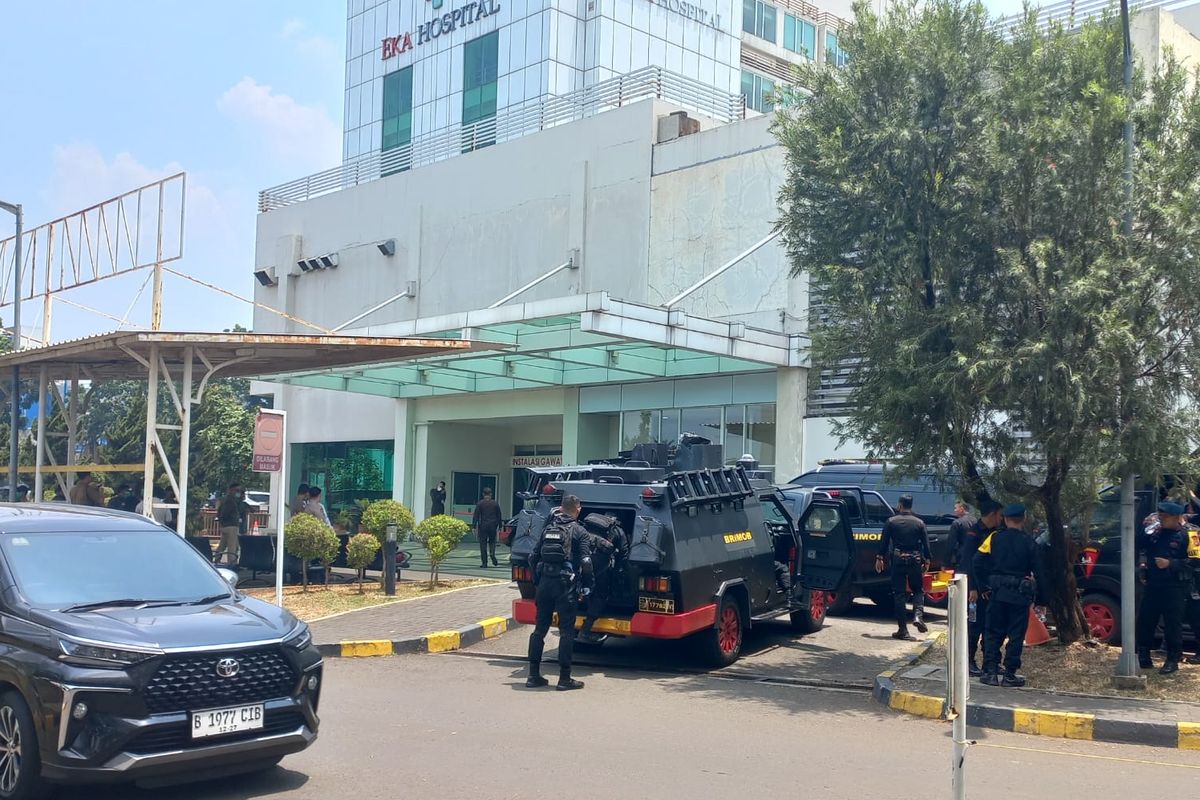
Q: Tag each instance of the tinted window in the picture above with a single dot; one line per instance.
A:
(822, 520)
(55, 570)
(876, 508)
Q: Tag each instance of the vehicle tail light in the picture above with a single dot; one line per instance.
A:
(1089, 558)
(833, 492)
(654, 583)
(650, 496)
(549, 488)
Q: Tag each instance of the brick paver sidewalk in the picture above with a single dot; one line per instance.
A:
(410, 618)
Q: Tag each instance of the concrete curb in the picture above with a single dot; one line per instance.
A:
(435, 642)
(1060, 724)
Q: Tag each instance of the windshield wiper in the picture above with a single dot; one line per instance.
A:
(127, 602)
(212, 598)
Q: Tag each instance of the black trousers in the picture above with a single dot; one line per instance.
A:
(975, 630)
(1165, 601)
(553, 595)
(597, 600)
(1004, 621)
(906, 574)
(487, 545)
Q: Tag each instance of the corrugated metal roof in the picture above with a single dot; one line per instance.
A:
(123, 354)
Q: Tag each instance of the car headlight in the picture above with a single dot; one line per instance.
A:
(300, 638)
(102, 655)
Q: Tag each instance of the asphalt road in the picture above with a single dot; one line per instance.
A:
(463, 726)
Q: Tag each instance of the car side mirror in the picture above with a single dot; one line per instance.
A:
(229, 575)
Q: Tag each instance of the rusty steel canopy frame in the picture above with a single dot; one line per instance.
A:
(140, 229)
(185, 363)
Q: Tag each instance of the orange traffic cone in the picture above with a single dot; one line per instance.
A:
(1036, 633)
(254, 528)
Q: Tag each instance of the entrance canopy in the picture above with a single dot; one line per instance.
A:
(184, 363)
(568, 341)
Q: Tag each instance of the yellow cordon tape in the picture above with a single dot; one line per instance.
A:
(1061, 724)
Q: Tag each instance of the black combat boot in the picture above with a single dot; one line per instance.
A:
(535, 679)
(566, 683)
(919, 620)
(1169, 668)
(990, 679)
(903, 635)
(1144, 660)
(1012, 680)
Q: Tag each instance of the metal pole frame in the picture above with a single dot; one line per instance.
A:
(15, 400)
(721, 270)
(40, 458)
(957, 685)
(1127, 665)
(280, 504)
(151, 430)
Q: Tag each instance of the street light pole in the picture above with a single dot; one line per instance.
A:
(1127, 665)
(15, 405)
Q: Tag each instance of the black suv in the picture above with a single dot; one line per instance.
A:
(128, 657)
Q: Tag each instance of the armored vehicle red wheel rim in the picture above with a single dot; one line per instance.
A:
(818, 603)
(729, 634)
(1100, 620)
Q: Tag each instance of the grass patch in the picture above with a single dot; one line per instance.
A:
(320, 602)
(1081, 669)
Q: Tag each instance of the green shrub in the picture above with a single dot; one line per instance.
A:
(439, 536)
(379, 514)
(307, 538)
(360, 551)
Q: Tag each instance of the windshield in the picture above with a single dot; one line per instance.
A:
(58, 570)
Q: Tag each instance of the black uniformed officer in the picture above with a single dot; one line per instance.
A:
(610, 549)
(963, 522)
(1163, 561)
(964, 561)
(1006, 566)
(562, 548)
(905, 545)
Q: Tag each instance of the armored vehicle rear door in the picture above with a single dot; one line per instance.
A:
(826, 546)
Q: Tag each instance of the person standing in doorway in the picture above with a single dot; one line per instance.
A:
(486, 522)
(229, 517)
(437, 499)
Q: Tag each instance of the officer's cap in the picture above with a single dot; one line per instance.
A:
(1173, 509)
(988, 506)
(1014, 511)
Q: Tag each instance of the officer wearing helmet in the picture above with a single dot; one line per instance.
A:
(1164, 568)
(563, 549)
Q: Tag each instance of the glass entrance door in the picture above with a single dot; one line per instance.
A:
(466, 489)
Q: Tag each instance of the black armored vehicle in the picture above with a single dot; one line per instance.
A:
(706, 546)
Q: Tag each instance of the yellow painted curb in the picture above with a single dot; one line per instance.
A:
(1189, 736)
(493, 626)
(1062, 724)
(442, 641)
(921, 705)
(365, 649)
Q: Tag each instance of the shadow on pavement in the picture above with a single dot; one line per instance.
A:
(233, 787)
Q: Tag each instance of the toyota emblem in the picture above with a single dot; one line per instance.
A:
(228, 667)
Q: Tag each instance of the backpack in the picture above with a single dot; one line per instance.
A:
(556, 545)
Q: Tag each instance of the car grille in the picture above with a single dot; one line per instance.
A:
(191, 683)
(178, 735)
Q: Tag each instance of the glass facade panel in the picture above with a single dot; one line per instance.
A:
(735, 433)
(834, 54)
(638, 427)
(759, 92)
(348, 471)
(480, 58)
(760, 432)
(704, 422)
(799, 36)
(397, 110)
(758, 19)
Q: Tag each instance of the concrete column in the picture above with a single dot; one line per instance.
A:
(402, 460)
(420, 470)
(570, 426)
(791, 403)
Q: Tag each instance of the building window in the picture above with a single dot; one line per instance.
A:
(800, 36)
(639, 427)
(759, 92)
(348, 471)
(741, 429)
(397, 115)
(480, 59)
(758, 19)
(834, 54)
